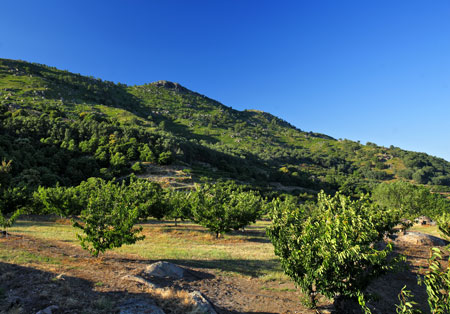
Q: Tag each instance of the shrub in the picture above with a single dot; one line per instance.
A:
(330, 249)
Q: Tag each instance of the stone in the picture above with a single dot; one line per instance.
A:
(164, 270)
(418, 238)
(202, 304)
(141, 280)
(139, 306)
(48, 310)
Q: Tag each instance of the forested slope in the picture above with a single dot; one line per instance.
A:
(60, 127)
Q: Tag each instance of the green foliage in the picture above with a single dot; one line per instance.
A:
(6, 221)
(63, 127)
(137, 168)
(437, 283)
(443, 223)
(149, 197)
(59, 200)
(406, 305)
(7, 215)
(330, 249)
(411, 200)
(179, 205)
(225, 206)
(108, 220)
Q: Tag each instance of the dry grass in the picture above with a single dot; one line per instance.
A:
(247, 253)
(431, 230)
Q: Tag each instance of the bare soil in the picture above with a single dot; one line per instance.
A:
(78, 283)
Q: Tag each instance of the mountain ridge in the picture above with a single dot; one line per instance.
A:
(249, 145)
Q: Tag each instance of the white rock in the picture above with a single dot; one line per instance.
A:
(164, 269)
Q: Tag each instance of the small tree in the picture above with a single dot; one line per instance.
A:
(330, 249)
(109, 218)
(148, 197)
(179, 205)
(224, 206)
(9, 207)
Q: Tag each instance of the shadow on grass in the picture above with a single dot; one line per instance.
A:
(28, 290)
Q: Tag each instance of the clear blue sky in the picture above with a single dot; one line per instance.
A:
(375, 71)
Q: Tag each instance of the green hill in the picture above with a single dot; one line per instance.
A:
(61, 127)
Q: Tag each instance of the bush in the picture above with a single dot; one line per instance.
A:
(329, 249)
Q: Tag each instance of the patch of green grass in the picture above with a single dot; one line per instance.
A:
(20, 257)
(431, 230)
(247, 253)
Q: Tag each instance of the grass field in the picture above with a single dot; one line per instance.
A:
(248, 253)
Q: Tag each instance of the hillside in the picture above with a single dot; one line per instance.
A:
(60, 127)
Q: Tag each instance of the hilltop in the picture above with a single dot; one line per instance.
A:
(61, 127)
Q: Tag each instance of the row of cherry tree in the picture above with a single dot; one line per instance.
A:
(326, 247)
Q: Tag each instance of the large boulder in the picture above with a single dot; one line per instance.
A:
(418, 238)
(165, 270)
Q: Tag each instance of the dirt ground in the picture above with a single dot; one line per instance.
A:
(68, 277)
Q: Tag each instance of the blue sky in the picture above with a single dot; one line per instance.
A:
(375, 71)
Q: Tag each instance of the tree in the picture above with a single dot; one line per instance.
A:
(224, 206)
(412, 200)
(179, 205)
(9, 210)
(109, 218)
(330, 248)
(148, 197)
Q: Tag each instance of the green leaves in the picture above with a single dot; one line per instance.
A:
(109, 218)
(406, 306)
(437, 283)
(225, 206)
(330, 249)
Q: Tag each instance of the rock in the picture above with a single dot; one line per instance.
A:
(202, 304)
(48, 310)
(424, 220)
(418, 238)
(140, 306)
(141, 280)
(164, 270)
